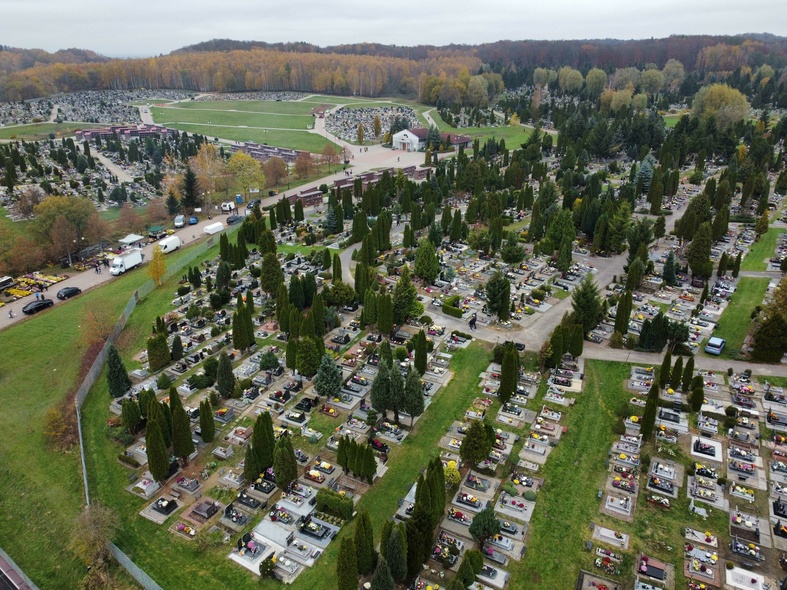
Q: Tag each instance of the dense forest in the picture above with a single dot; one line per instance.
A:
(369, 69)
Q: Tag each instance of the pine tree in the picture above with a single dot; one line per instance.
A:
(498, 295)
(664, 373)
(677, 373)
(509, 374)
(688, 373)
(586, 303)
(158, 458)
(476, 445)
(225, 379)
(484, 525)
(427, 266)
(206, 425)
(364, 543)
(649, 416)
(117, 376)
(347, 565)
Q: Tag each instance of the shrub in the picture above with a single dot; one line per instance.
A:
(730, 411)
(334, 503)
(510, 489)
(619, 427)
(452, 311)
(530, 495)
(425, 320)
(163, 381)
(461, 334)
(400, 353)
(645, 460)
(130, 461)
(183, 289)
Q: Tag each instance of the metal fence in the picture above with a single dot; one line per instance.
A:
(95, 372)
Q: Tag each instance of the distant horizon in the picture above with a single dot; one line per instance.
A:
(147, 29)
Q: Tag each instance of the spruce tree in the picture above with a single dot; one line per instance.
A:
(206, 425)
(158, 457)
(484, 525)
(117, 376)
(328, 380)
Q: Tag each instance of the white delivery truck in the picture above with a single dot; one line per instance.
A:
(213, 228)
(126, 261)
(169, 244)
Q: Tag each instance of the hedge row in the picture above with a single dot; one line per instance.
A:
(334, 503)
(452, 311)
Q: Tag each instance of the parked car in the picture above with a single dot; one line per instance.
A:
(68, 292)
(193, 220)
(36, 306)
(232, 219)
(180, 220)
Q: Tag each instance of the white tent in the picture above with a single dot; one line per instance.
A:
(131, 239)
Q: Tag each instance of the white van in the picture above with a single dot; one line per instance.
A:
(169, 244)
(228, 206)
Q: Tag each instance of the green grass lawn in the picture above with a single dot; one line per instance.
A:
(40, 489)
(735, 322)
(762, 250)
(514, 136)
(269, 107)
(296, 140)
(42, 130)
(671, 120)
(231, 118)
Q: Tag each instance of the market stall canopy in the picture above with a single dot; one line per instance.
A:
(131, 239)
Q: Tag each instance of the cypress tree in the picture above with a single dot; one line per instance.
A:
(420, 352)
(688, 373)
(413, 398)
(318, 312)
(177, 348)
(385, 532)
(736, 267)
(369, 464)
(509, 374)
(347, 565)
(649, 416)
(130, 415)
(382, 579)
(251, 466)
(166, 425)
(206, 425)
(295, 322)
(158, 458)
(263, 441)
(326, 259)
(395, 554)
(225, 379)
(364, 543)
(337, 269)
(623, 314)
(182, 445)
(677, 373)
(664, 373)
(291, 354)
(285, 466)
(144, 401)
(117, 376)
(697, 398)
(384, 314)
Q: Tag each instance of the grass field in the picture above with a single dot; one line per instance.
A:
(42, 130)
(735, 322)
(514, 136)
(671, 120)
(761, 251)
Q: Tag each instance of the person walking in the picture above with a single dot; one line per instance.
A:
(11, 313)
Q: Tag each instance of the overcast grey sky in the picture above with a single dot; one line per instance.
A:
(134, 28)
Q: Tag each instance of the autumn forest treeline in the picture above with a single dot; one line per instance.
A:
(364, 69)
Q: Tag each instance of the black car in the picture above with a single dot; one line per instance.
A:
(68, 292)
(36, 306)
(233, 219)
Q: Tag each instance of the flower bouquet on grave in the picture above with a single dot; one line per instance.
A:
(221, 412)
